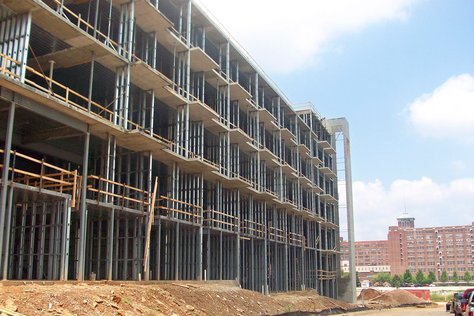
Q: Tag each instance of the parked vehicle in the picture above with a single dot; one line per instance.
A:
(469, 306)
(450, 305)
(463, 307)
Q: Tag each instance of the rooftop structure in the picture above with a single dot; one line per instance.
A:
(406, 221)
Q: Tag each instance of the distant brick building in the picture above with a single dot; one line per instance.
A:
(437, 249)
(371, 257)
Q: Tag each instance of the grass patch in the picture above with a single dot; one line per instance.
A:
(441, 297)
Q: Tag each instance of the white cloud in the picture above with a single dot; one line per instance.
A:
(285, 36)
(432, 204)
(447, 112)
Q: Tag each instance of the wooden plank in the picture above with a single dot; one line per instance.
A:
(9, 312)
(151, 219)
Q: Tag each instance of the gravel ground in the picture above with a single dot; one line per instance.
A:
(438, 310)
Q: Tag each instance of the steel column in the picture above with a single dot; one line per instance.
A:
(83, 211)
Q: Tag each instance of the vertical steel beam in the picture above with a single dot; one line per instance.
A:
(83, 210)
(252, 264)
(158, 250)
(39, 273)
(125, 249)
(7, 257)
(32, 241)
(65, 240)
(208, 259)
(96, 17)
(52, 237)
(265, 250)
(135, 250)
(110, 244)
(177, 262)
(6, 167)
(220, 255)
(91, 81)
(200, 229)
(21, 252)
(149, 185)
(115, 269)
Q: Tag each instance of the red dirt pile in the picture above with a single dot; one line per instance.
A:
(368, 294)
(308, 301)
(394, 298)
(163, 298)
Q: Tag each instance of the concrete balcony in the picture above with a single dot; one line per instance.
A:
(326, 146)
(328, 172)
(200, 61)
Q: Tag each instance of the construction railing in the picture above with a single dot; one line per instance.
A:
(296, 239)
(176, 209)
(42, 175)
(104, 190)
(277, 234)
(251, 228)
(287, 200)
(219, 220)
(77, 20)
(326, 274)
(191, 155)
(67, 95)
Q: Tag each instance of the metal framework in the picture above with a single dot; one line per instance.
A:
(139, 142)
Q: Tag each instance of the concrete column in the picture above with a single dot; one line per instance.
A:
(340, 125)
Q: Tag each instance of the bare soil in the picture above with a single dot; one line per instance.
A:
(168, 298)
(165, 298)
(375, 299)
(368, 294)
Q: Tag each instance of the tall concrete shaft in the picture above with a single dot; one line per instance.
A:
(335, 126)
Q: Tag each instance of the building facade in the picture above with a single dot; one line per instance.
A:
(140, 142)
(431, 249)
(371, 257)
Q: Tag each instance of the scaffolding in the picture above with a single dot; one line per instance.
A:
(140, 142)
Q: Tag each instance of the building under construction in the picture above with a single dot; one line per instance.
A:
(138, 141)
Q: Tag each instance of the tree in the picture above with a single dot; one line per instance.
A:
(444, 276)
(382, 277)
(467, 276)
(420, 277)
(396, 281)
(455, 277)
(431, 277)
(407, 276)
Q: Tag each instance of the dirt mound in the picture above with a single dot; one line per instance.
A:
(397, 298)
(159, 298)
(309, 301)
(368, 294)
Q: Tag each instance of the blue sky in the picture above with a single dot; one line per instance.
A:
(401, 72)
